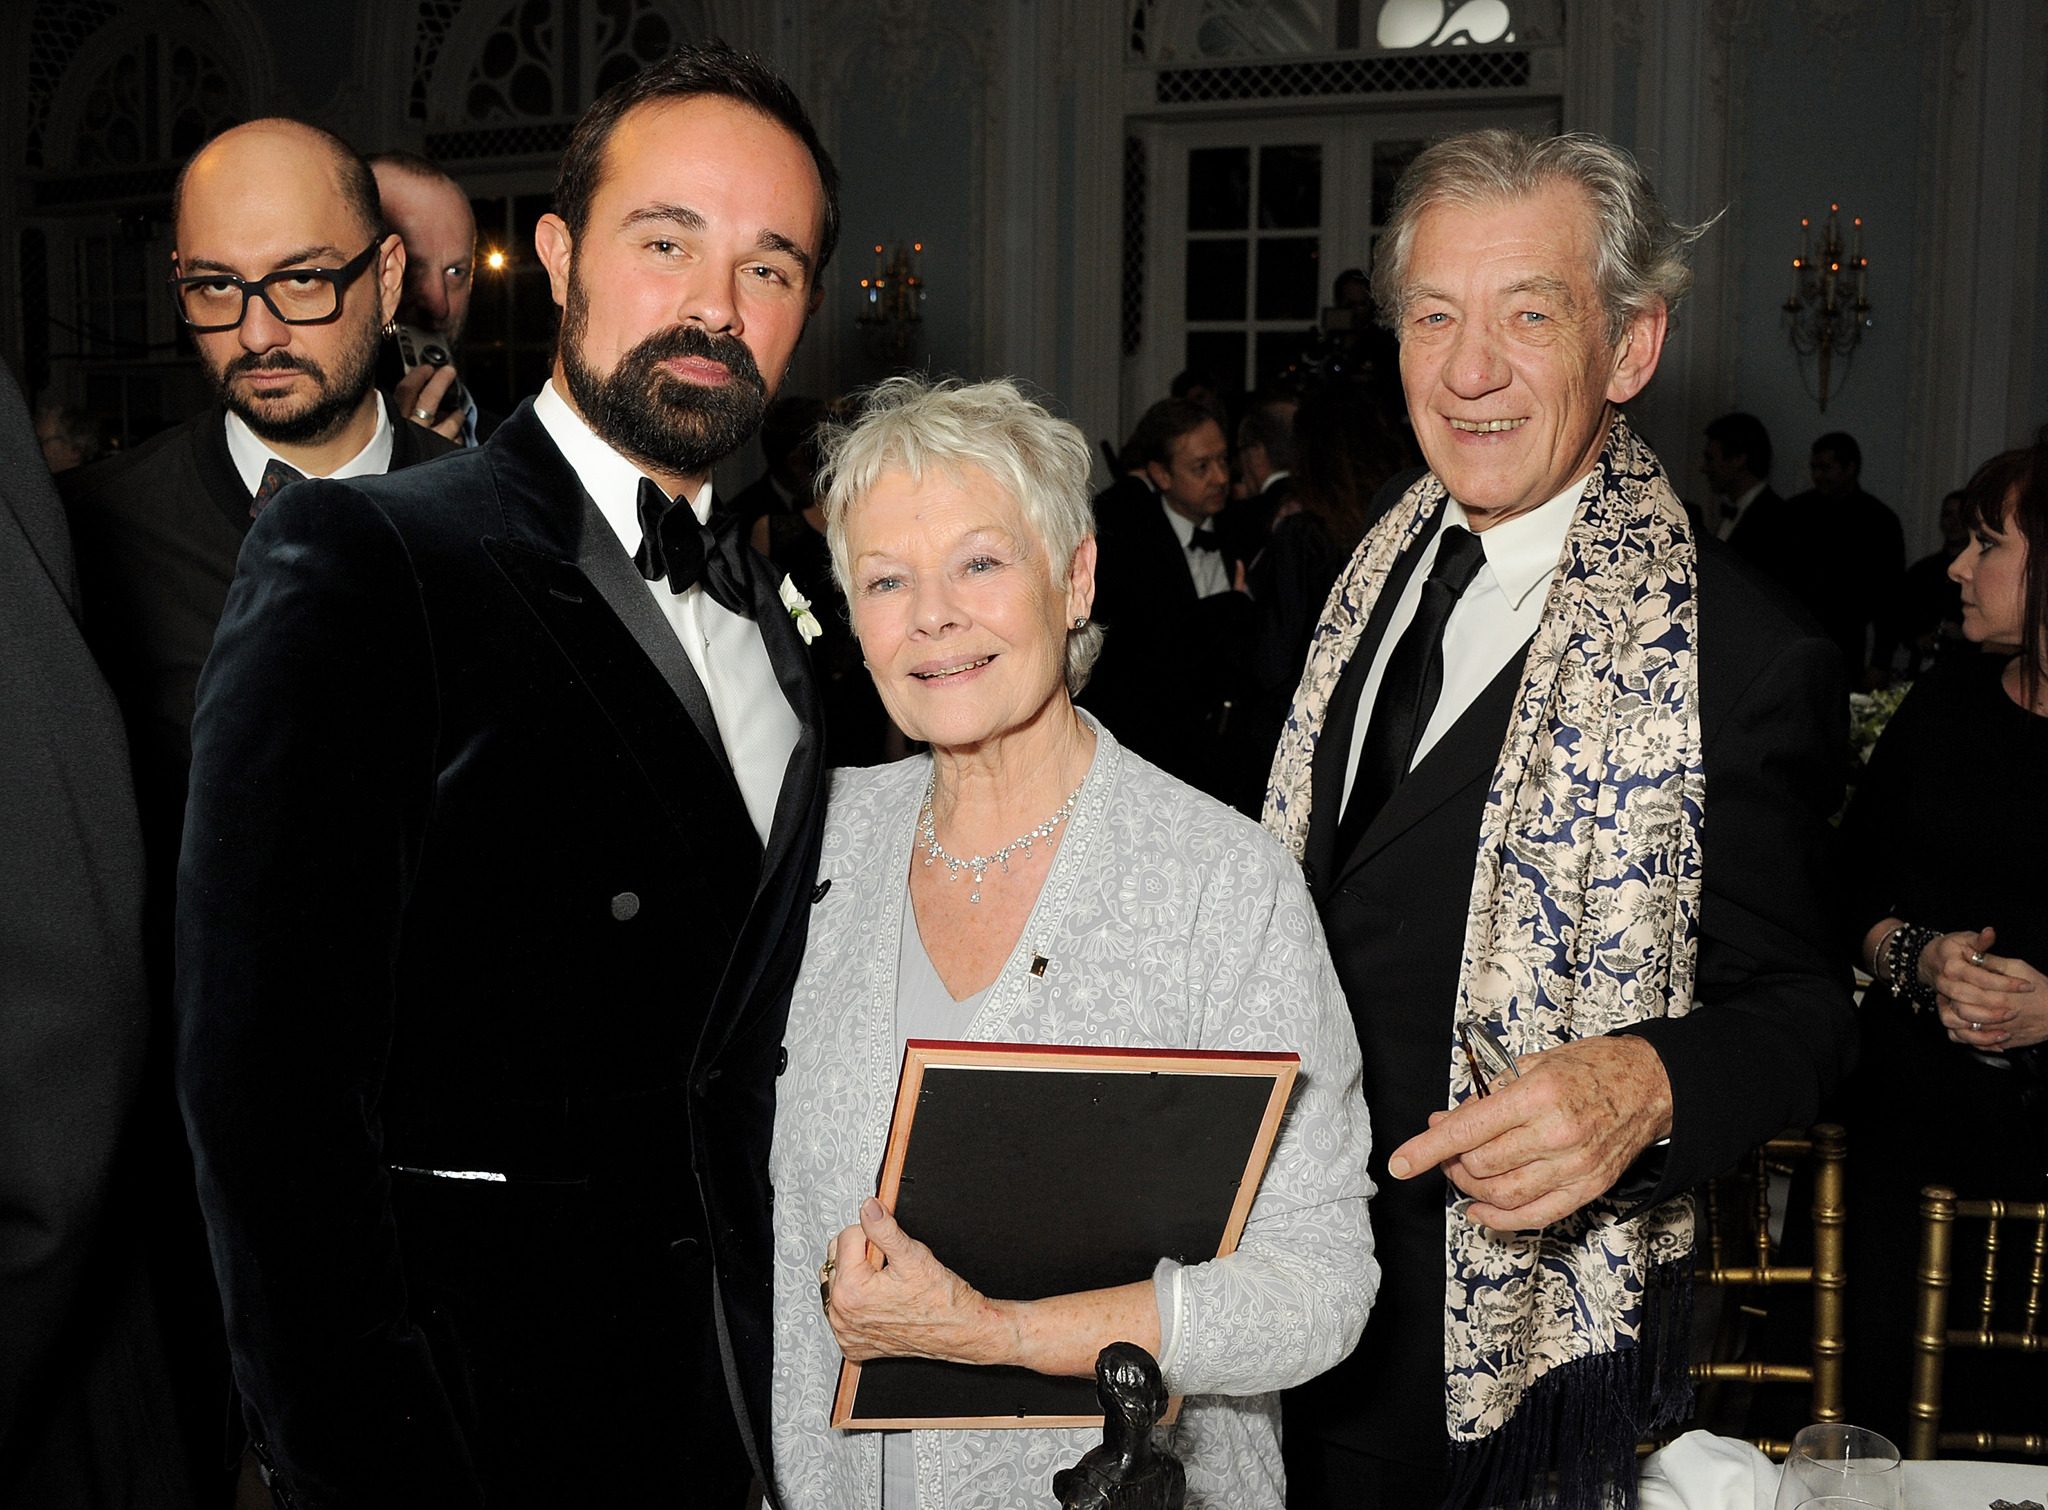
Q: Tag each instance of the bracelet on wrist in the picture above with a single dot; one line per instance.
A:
(1901, 951)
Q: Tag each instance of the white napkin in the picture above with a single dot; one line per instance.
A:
(1701, 1471)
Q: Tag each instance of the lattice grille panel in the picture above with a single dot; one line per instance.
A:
(500, 141)
(1377, 75)
(58, 29)
(435, 17)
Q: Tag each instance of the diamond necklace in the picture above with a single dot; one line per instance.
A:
(981, 864)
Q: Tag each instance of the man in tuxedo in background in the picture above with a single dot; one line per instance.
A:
(1751, 517)
(506, 803)
(1516, 359)
(1857, 559)
(1265, 460)
(1167, 683)
(430, 212)
(159, 529)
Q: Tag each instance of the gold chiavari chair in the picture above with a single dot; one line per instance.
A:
(1736, 1213)
(1933, 1336)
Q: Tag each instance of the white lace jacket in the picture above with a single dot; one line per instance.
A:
(1169, 921)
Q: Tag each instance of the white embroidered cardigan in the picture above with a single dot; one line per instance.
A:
(1169, 921)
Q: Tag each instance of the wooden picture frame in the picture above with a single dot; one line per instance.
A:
(986, 1180)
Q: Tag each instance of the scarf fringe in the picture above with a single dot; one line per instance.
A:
(1571, 1444)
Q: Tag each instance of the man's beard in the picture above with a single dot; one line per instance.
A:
(334, 402)
(652, 416)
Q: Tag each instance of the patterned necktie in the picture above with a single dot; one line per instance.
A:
(1409, 690)
(276, 476)
(674, 545)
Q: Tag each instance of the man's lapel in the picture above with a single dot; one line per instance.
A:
(611, 571)
(1470, 748)
(803, 779)
(543, 504)
(1176, 579)
(1340, 720)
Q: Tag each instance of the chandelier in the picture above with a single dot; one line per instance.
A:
(892, 307)
(1828, 307)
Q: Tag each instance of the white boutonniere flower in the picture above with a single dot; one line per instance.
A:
(799, 608)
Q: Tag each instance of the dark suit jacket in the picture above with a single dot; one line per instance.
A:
(84, 1416)
(468, 888)
(1772, 1028)
(158, 531)
(1174, 666)
(1771, 537)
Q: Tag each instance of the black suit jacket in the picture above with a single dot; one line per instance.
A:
(84, 1417)
(1772, 1028)
(158, 530)
(468, 889)
(1175, 666)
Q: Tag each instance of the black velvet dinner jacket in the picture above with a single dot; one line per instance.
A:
(1772, 1030)
(467, 889)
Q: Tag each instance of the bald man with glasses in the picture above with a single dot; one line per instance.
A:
(284, 275)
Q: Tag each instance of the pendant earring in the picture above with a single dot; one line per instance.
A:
(390, 330)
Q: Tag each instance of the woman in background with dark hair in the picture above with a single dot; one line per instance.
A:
(1948, 909)
(1344, 452)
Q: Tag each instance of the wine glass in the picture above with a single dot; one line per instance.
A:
(1838, 1467)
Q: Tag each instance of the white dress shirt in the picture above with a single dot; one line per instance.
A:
(250, 455)
(1500, 609)
(755, 721)
(1206, 567)
(1731, 513)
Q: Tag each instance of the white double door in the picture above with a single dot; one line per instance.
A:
(1249, 221)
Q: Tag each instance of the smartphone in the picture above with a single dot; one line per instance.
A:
(418, 347)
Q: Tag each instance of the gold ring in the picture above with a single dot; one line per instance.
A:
(825, 1282)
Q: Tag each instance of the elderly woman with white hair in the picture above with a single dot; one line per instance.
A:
(960, 527)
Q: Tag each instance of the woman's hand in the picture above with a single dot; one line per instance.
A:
(911, 1306)
(1997, 1004)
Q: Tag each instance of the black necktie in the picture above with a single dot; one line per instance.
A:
(275, 475)
(1204, 539)
(1409, 689)
(674, 545)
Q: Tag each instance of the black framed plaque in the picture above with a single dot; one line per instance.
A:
(1034, 1170)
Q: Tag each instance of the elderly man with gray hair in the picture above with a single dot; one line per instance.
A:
(1559, 773)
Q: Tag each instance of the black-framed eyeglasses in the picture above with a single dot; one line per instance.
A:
(296, 295)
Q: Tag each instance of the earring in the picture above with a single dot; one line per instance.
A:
(1081, 623)
(390, 330)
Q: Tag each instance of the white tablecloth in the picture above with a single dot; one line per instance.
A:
(1701, 1471)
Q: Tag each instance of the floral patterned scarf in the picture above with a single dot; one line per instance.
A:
(1562, 1346)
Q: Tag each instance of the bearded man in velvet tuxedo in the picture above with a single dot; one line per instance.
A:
(507, 784)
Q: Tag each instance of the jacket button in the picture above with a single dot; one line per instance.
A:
(782, 1059)
(625, 906)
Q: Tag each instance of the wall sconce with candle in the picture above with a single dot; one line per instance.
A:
(1829, 305)
(892, 307)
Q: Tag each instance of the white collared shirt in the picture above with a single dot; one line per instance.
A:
(1273, 477)
(250, 455)
(755, 721)
(1206, 567)
(1500, 609)
(1731, 513)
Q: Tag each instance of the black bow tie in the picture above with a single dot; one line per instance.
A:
(1204, 539)
(674, 545)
